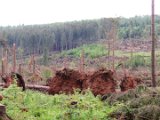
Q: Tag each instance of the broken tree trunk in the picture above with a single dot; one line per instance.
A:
(2, 110)
(14, 57)
(3, 71)
(82, 61)
(109, 47)
(20, 69)
(6, 61)
(3, 115)
(34, 66)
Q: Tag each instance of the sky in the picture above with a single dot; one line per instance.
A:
(29, 12)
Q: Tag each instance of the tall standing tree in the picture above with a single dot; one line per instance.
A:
(153, 47)
(114, 37)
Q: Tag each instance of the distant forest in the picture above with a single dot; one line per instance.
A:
(63, 36)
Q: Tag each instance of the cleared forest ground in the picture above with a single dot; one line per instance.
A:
(94, 93)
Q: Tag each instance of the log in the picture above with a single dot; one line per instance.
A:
(38, 87)
(34, 87)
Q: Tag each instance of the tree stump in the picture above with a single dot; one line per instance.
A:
(3, 115)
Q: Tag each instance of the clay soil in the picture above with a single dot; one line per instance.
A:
(129, 82)
(66, 81)
(99, 82)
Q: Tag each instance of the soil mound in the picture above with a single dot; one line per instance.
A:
(100, 82)
(129, 82)
(66, 81)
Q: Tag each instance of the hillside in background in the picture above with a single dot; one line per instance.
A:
(64, 36)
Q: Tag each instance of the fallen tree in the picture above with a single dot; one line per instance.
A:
(101, 82)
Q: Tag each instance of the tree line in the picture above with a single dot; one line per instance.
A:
(38, 39)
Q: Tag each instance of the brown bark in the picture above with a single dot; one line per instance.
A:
(14, 57)
(153, 47)
(3, 69)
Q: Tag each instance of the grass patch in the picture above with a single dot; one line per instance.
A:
(91, 51)
(30, 105)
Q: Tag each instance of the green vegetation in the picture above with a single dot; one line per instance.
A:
(120, 53)
(47, 73)
(31, 105)
(65, 36)
(139, 104)
(45, 57)
(138, 61)
(91, 51)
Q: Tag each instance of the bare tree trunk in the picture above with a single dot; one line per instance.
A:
(65, 63)
(153, 48)
(109, 47)
(3, 115)
(2, 52)
(82, 62)
(20, 69)
(34, 66)
(113, 52)
(6, 61)
(114, 22)
(3, 71)
(14, 57)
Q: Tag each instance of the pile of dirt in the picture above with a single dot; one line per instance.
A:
(100, 82)
(66, 81)
(7, 80)
(129, 82)
(48, 81)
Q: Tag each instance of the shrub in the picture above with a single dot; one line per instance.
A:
(31, 105)
(91, 51)
(137, 61)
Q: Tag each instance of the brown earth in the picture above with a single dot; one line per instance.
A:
(66, 81)
(129, 82)
(8, 79)
(101, 82)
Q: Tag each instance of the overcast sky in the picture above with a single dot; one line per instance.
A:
(16, 12)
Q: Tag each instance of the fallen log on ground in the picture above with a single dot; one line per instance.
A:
(34, 87)
(38, 88)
